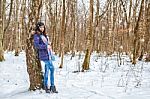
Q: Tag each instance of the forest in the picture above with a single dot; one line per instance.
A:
(76, 28)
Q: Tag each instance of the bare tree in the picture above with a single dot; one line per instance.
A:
(86, 62)
(73, 26)
(17, 29)
(1, 32)
(147, 32)
(33, 63)
(136, 38)
(62, 33)
(10, 13)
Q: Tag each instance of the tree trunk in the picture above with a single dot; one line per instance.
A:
(17, 29)
(1, 32)
(85, 65)
(6, 25)
(10, 13)
(62, 33)
(73, 23)
(136, 38)
(96, 38)
(33, 62)
(4, 19)
(147, 34)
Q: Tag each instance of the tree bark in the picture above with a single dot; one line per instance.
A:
(147, 32)
(85, 65)
(17, 29)
(10, 13)
(73, 23)
(33, 62)
(136, 38)
(1, 33)
(62, 34)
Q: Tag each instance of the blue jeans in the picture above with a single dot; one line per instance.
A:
(49, 66)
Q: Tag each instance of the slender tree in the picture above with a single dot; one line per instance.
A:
(73, 26)
(4, 15)
(86, 62)
(1, 32)
(17, 29)
(62, 33)
(10, 13)
(136, 37)
(147, 32)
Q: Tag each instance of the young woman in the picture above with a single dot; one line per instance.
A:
(44, 54)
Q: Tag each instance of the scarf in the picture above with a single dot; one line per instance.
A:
(50, 53)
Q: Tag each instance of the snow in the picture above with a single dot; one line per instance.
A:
(106, 79)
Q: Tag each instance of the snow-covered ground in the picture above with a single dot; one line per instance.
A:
(106, 79)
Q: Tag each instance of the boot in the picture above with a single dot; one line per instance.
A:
(47, 90)
(53, 89)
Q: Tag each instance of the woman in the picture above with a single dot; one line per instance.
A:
(44, 54)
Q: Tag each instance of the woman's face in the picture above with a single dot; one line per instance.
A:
(41, 28)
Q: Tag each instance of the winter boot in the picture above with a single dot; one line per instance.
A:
(53, 89)
(47, 90)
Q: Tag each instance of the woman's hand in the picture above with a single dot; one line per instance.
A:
(49, 43)
(49, 47)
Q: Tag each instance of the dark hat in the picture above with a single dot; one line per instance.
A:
(39, 24)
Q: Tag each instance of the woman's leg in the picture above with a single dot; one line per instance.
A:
(46, 73)
(52, 87)
(46, 76)
(51, 67)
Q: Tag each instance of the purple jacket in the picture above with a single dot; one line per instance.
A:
(41, 46)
